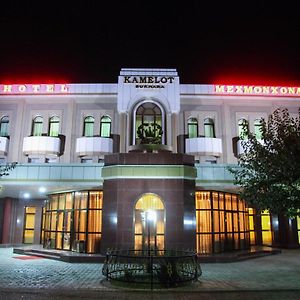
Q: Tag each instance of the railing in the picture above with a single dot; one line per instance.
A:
(204, 146)
(161, 268)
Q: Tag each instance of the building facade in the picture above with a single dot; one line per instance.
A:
(136, 164)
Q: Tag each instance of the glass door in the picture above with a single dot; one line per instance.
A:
(149, 223)
(63, 235)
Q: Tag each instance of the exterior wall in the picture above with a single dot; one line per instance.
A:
(8, 217)
(179, 101)
(17, 221)
(120, 196)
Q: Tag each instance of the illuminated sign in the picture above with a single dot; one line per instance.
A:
(149, 81)
(257, 90)
(34, 88)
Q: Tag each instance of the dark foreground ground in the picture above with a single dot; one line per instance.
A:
(270, 277)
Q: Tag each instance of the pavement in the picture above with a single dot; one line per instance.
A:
(273, 277)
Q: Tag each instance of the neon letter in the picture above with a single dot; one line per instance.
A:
(64, 88)
(36, 88)
(248, 89)
(274, 90)
(7, 88)
(220, 88)
(22, 88)
(50, 88)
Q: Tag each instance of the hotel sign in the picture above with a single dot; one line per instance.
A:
(33, 89)
(257, 90)
(149, 81)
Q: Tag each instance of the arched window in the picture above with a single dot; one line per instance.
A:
(209, 128)
(192, 125)
(258, 129)
(53, 126)
(37, 126)
(105, 126)
(4, 126)
(149, 127)
(88, 128)
(243, 127)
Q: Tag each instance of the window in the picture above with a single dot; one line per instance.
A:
(266, 228)
(298, 227)
(105, 126)
(221, 222)
(243, 129)
(257, 129)
(73, 221)
(192, 127)
(37, 126)
(88, 128)
(149, 127)
(28, 236)
(54, 126)
(4, 126)
(251, 213)
(209, 128)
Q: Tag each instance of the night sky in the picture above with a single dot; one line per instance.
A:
(257, 43)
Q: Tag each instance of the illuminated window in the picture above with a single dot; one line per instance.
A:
(221, 222)
(251, 213)
(257, 129)
(192, 125)
(266, 228)
(73, 221)
(54, 126)
(298, 227)
(149, 225)
(29, 221)
(88, 128)
(105, 126)
(4, 126)
(243, 128)
(37, 126)
(209, 128)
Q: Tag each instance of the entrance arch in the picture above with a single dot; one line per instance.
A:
(149, 223)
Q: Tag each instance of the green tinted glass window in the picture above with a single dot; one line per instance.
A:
(105, 126)
(54, 126)
(209, 128)
(192, 128)
(88, 129)
(37, 126)
(4, 126)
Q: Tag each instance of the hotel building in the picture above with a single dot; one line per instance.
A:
(86, 180)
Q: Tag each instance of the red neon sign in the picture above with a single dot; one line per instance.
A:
(257, 90)
(34, 88)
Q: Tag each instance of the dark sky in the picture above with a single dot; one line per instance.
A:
(256, 42)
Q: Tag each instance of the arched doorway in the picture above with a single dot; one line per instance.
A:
(149, 223)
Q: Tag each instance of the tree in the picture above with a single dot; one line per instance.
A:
(269, 173)
(4, 169)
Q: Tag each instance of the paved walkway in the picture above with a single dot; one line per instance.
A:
(275, 274)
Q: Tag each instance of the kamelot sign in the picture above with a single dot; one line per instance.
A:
(33, 89)
(151, 82)
(257, 90)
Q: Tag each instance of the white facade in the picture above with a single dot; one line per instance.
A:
(76, 141)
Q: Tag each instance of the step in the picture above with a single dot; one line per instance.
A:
(44, 255)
